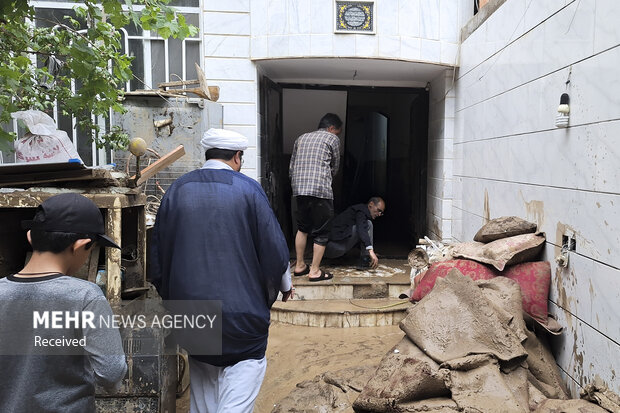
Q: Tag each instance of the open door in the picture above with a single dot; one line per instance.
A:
(274, 176)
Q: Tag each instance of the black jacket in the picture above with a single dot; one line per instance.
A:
(342, 225)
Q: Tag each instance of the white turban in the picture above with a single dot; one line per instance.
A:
(224, 139)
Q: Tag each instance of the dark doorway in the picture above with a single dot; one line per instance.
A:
(365, 156)
(385, 154)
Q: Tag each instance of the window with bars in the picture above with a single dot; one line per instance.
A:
(156, 60)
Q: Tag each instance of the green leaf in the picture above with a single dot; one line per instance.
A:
(9, 73)
(6, 141)
(112, 7)
(22, 61)
(87, 56)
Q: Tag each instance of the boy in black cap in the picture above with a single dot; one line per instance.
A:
(51, 360)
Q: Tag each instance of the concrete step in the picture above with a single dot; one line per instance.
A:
(389, 280)
(340, 313)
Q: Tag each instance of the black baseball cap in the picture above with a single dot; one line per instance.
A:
(72, 212)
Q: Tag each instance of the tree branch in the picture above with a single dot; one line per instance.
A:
(71, 29)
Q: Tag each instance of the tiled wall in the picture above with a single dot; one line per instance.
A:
(440, 157)
(510, 159)
(418, 30)
(226, 28)
(238, 32)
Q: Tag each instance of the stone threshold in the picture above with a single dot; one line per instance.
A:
(340, 313)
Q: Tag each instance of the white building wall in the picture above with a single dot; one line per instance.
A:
(510, 159)
(237, 33)
(440, 156)
(413, 30)
(227, 64)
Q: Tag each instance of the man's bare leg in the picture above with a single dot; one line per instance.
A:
(300, 247)
(317, 256)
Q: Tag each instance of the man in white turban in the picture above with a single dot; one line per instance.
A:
(216, 238)
(223, 148)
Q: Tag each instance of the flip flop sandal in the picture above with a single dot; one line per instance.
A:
(302, 273)
(324, 276)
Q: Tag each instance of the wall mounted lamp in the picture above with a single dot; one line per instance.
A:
(561, 120)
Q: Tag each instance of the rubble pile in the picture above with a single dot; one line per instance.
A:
(467, 346)
(331, 392)
(506, 246)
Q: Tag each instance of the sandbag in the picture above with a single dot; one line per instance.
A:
(534, 278)
(404, 374)
(486, 388)
(312, 396)
(502, 252)
(504, 227)
(44, 143)
(330, 392)
(536, 397)
(543, 368)
(456, 320)
(505, 296)
(569, 406)
(469, 268)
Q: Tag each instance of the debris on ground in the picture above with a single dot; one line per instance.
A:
(331, 392)
(467, 348)
(470, 344)
(602, 396)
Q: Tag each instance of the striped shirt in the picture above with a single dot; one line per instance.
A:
(315, 160)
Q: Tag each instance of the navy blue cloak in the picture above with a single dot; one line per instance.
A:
(217, 238)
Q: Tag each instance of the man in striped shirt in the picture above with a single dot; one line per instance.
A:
(314, 162)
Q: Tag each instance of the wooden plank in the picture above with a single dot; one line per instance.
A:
(196, 91)
(178, 83)
(203, 82)
(160, 164)
(144, 92)
(31, 167)
(113, 224)
(47, 177)
(103, 197)
(214, 91)
(211, 93)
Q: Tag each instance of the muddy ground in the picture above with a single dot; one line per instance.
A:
(295, 354)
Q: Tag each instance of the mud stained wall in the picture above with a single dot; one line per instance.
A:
(511, 159)
(188, 123)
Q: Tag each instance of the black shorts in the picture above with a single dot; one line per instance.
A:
(314, 217)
